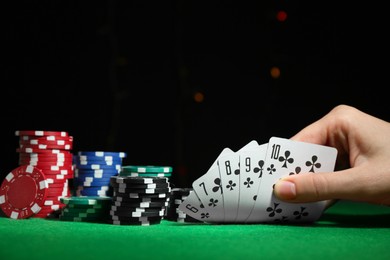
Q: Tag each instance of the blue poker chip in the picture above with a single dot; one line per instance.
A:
(99, 188)
(91, 183)
(97, 159)
(102, 153)
(99, 167)
(100, 162)
(99, 172)
(93, 193)
(89, 175)
(92, 180)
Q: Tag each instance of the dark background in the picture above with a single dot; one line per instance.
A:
(121, 75)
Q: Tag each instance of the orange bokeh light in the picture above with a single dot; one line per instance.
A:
(275, 72)
(198, 97)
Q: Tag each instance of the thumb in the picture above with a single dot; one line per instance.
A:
(312, 187)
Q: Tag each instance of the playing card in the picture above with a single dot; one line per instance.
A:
(286, 157)
(208, 188)
(251, 171)
(229, 170)
(193, 207)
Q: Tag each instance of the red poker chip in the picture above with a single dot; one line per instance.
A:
(23, 192)
(40, 151)
(45, 167)
(53, 207)
(41, 133)
(45, 140)
(47, 155)
(54, 166)
(58, 192)
(48, 143)
(58, 177)
(39, 163)
(50, 138)
(58, 185)
(49, 161)
(39, 147)
(53, 200)
(52, 161)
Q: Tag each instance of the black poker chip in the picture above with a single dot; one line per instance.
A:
(173, 213)
(127, 199)
(131, 186)
(133, 209)
(137, 213)
(141, 195)
(147, 204)
(138, 180)
(181, 191)
(143, 191)
(134, 223)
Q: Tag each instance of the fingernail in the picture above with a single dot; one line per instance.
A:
(285, 190)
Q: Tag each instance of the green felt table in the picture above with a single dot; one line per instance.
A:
(347, 230)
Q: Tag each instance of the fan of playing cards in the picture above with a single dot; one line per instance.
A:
(238, 187)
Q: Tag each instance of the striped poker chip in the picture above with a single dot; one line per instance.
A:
(88, 179)
(147, 169)
(46, 138)
(122, 199)
(45, 144)
(102, 160)
(93, 192)
(145, 175)
(22, 157)
(23, 192)
(99, 172)
(55, 154)
(59, 142)
(133, 223)
(87, 206)
(115, 167)
(138, 180)
(99, 162)
(90, 200)
(138, 195)
(38, 147)
(147, 204)
(177, 196)
(136, 213)
(102, 154)
(102, 183)
(41, 133)
(39, 151)
(143, 191)
(139, 187)
(119, 209)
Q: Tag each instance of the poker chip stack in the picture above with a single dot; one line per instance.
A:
(93, 170)
(140, 195)
(86, 209)
(50, 152)
(177, 196)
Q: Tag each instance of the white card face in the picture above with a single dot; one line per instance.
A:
(251, 171)
(193, 207)
(208, 187)
(286, 157)
(229, 170)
